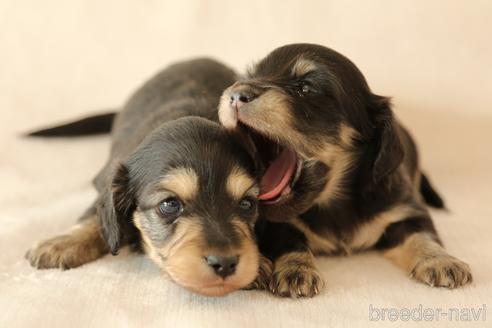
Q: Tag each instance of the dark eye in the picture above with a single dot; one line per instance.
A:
(247, 204)
(170, 207)
(305, 88)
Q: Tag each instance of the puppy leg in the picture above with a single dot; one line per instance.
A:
(295, 275)
(82, 244)
(294, 272)
(421, 254)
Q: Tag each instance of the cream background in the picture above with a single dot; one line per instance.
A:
(60, 59)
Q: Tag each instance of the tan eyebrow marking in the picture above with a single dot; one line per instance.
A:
(303, 66)
(182, 181)
(239, 183)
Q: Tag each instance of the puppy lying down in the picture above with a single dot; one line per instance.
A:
(181, 186)
(342, 173)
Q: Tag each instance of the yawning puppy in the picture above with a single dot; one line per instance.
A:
(341, 173)
(182, 187)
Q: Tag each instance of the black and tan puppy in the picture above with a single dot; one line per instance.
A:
(181, 186)
(342, 174)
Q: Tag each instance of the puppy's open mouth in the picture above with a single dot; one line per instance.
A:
(281, 165)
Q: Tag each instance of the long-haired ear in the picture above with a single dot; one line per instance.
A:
(115, 209)
(389, 149)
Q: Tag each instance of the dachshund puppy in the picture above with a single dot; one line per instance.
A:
(342, 174)
(182, 187)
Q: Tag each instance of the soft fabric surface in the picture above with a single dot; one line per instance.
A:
(61, 59)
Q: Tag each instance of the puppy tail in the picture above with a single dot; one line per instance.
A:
(430, 195)
(97, 124)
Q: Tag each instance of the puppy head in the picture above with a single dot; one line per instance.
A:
(308, 108)
(189, 189)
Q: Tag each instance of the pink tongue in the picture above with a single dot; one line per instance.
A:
(278, 175)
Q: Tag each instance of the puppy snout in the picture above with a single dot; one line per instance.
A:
(238, 99)
(223, 265)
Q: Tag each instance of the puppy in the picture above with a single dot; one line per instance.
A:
(182, 187)
(342, 174)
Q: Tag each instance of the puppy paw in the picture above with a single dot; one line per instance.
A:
(442, 271)
(52, 253)
(264, 276)
(83, 244)
(295, 276)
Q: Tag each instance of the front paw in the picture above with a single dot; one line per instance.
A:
(442, 271)
(57, 252)
(68, 251)
(296, 276)
(48, 253)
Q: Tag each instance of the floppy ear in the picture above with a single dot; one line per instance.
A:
(115, 208)
(389, 149)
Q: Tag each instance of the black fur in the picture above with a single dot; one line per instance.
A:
(276, 238)
(389, 149)
(430, 195)
(326, 95)
(150, 137)
(177, 184)
(169, 122)
(396, 233)
(97, 124)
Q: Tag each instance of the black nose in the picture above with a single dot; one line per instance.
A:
(238, 99)
(223, 265)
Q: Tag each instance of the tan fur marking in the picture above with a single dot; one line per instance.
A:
(82, 244)
(250, 258)
(427, 261)
(182, 257)
(303, 66)
(339, 159)
(363, 238)
(316, 243)
(369, 233)
(272, 107)
(147, 244)
(239, 183)
(271, 115)
(182, 181)
(347, 135)
(295, 275)
(227, 114)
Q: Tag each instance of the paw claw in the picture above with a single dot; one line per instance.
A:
(66, 252)
(296, 279)
(442, 271)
